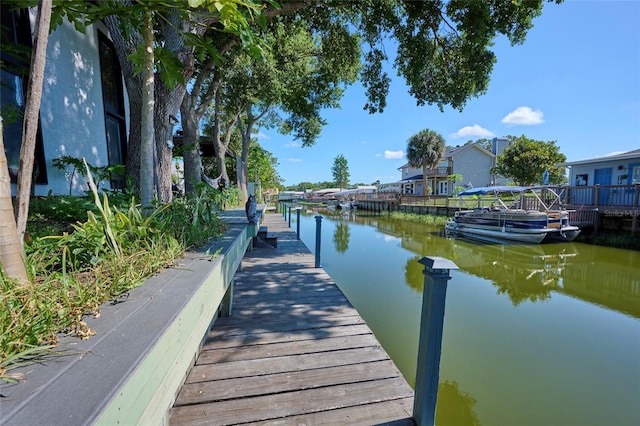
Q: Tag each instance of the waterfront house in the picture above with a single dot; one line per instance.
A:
(84, 111)
(610, 180)
(471, 161)
(617, 169)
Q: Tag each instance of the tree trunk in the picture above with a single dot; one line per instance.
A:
(32, 115)
(134, 84)
(146, 124)
(425, 181)
(11, 253)
(190, 144)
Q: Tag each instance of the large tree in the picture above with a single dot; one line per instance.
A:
(526, 160)
(443, 48)
(340, 171)
(425, 149)
(262, 167)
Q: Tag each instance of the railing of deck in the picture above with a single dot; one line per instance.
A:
(604, 195)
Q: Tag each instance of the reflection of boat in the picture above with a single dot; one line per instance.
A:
(534, 214)
(520, 271)
(342, 205)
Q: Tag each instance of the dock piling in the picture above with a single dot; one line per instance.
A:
(318, 238)
(436, 275)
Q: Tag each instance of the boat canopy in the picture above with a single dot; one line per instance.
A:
(483, 190)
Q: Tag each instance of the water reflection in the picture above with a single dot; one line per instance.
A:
(341, 237)
(526, 339)
(603, 276)
(455, 407)
(521, 272)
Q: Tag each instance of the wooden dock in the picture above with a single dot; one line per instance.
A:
(294, 351)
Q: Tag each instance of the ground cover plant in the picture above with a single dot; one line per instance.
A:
(85, 251)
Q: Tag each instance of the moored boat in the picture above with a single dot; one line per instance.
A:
(534, 215)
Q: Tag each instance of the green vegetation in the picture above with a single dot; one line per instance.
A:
(526, 160)
(427, 219)
(340, 171)
(86, 253)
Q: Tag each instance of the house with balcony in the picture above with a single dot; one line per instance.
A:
(471, 161)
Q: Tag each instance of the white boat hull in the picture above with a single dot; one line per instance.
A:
(493, 234)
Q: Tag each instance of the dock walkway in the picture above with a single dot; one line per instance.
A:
(294, 351)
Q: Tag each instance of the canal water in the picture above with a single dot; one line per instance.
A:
(533, 334)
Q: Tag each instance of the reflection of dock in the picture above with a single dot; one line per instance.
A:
(294, 351)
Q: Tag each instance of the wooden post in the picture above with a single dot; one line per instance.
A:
(318, 238)
(636, 209)
(436, 275)
(298, 221)
(227, 301)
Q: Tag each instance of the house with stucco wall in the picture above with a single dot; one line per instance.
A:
(84, 111)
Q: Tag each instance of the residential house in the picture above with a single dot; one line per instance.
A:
(618, 169)
(84, 111)
(471, 161)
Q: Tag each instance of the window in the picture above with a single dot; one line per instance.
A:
(443, 187)
(14, 52)
(113, 98)
(581, 180)
(635, 173)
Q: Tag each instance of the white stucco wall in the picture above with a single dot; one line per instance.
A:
(72, 112)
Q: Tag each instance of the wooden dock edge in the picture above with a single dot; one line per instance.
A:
(131, 371)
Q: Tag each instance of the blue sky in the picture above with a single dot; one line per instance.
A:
(575, 80)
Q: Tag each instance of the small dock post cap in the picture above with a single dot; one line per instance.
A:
(437, 263)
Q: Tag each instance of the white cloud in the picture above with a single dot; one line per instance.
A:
(393, 155)
(261, 135)
(472, 131)
(294, 160)
(292, 144)
(525, 116)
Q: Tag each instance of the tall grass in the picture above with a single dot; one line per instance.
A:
(427, 219)
(94, 261)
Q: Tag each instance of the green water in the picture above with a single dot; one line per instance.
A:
(533, 334)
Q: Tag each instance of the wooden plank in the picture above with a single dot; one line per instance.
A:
(237, 325)
(282, 349)
(251, 339)
(396, 413)
(301, 310)
(262, 366)
(276, 406)
(242, 387)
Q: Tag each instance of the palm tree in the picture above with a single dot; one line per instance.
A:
(424, 149)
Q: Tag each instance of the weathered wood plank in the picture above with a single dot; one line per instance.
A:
(238, 325)
(315, 310)
(396, 413)
(243, 387)
(281, 349)
(250, 339)
(261, 366)
(275, 406)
